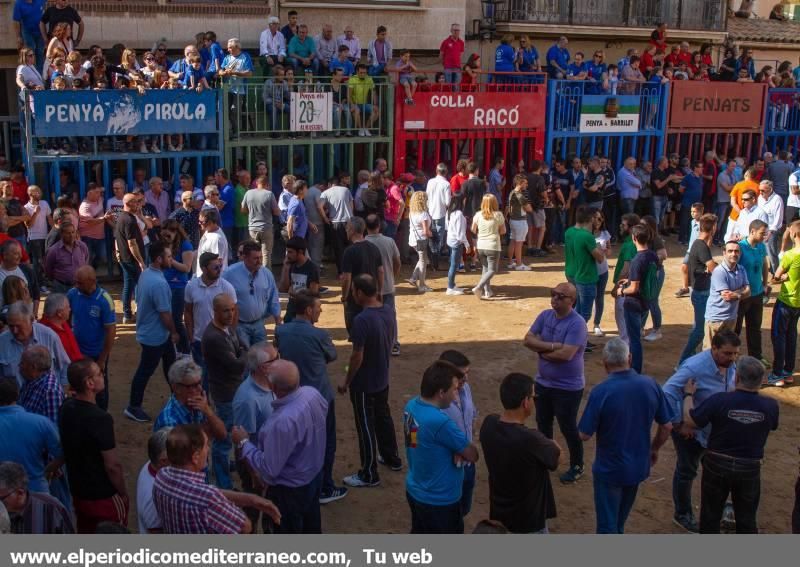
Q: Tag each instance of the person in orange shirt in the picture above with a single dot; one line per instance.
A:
(749, 183)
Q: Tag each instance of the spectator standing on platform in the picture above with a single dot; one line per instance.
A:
(93, 307)
(558, 59)
(95, 472)
(302, 51)
(38, 227)
(290, 29)
(260, 206)
(558, 336)
(326, 49)
(352, 42)
(238, 66)
(65, 257)
(256, 294)
(155, 330)
(621, 411)
(27, 15)
(450, 53)
(213, 240)
(130, 251)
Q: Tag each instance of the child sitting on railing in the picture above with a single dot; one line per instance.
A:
(405, 67)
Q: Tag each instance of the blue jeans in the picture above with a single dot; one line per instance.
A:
(688, 454)
(685, 223)
(451, 77)
(659, 208)
(251, 333)
(436, 241)
(628, 206)
(722, 210)
(221, 450)
(586, 296)
(655, 308)
(390, 229)
(130, 276)
(467, 488)
(299, 67)
(784, 337)
(299, 506)
(197, 356)
(430, 519)
(612, 505)
(773, 248)
(376, 70)
(600, 298)
(455, 259)
(699, 300)
(35, 41)
(97, 250)
(389, 299)
(148, 362)
(633, 324)
(562, 405)
(177, 319)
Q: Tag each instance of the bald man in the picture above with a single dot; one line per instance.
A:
(225, 358)
(558, 337)
(295, 435)
(129, 248)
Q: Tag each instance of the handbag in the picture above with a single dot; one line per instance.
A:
(422, 243)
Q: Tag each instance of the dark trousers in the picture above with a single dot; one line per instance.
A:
(151, 355)
(250, 486)
(130, 276)
(177, 319)
(634, 321)
(784, 337)
(739, 478)
(299, 507)
(688, 453)
(563, 406)
(467, 488)
(684, 223)
(338, 243)
(375, 430)
(330, 448)
(429, 519)
(612, 506)
(351, 309)
(796, 511)
(751, 312)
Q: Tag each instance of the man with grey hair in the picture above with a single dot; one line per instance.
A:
(149, 521)
(740, 422)
(621, 411)
(236, 67)
(188, 402)
(213, 239)
(5, 521)
(158, 198)
(29, 512)
(23, 331)
(272, 45)
(56, 318)
(42, 392)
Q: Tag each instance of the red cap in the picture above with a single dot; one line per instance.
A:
(406, 178)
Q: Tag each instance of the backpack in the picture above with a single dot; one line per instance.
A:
(649, 287)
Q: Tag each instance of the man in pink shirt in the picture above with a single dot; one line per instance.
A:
(92, 224)
(450, 52)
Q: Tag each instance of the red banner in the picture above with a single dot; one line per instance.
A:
(716, 105)
(475, 111)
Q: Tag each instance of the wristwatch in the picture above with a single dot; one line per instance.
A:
(240, 445)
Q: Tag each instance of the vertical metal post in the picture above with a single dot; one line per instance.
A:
(549, 131)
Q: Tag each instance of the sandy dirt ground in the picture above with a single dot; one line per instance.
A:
(490, 333)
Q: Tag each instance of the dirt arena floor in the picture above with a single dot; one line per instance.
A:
(490, 333)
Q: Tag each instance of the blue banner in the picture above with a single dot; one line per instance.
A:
(124, 112)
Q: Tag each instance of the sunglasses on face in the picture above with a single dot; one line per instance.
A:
(746, 199)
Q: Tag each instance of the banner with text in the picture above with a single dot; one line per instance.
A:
(715, 105)
(609, 114)
(475, 111)
(311, 112)
(124, 112)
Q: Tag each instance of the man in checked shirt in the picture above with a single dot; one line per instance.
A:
(42, 392)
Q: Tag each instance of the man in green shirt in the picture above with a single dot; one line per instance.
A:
(302, 51)
(626, 253)
(361, 96)
(581, 258)
(240, 219)
(786, 313)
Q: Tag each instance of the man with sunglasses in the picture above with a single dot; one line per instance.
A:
(558, 336)
(597, 72)
(751, 211)
(213, 239)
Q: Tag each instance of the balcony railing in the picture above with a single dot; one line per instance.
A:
(677, 14)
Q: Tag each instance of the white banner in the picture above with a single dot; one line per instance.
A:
(311, 112)
(600, 123)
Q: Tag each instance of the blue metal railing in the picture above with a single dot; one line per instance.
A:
(782, 124)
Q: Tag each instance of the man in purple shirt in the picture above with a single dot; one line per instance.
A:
(295, 435)
(65, 257)
(558, 336)
(159, 198)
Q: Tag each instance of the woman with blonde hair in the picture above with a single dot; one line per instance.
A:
(488, 225)
(60, 40)
(419, 232)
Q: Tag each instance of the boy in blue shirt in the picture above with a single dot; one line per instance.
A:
(342, 61)
(195, 77)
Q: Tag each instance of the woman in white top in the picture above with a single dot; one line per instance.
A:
(603, 239)
(419, 231)
(28, 76)
(456, 240)
(488, 225)
(61, 40)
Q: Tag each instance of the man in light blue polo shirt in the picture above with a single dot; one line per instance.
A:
(155, 330)
(93, 322)
(236, 67)
(436, 450)
(713, 371)
(729, 285)
(256, 294)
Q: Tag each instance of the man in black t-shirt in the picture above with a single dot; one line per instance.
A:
(473, 189)
(62, 12)
(519, 459)
(594, 184)
(298, 273)
(661, 180)
(129, 247)
(700, 264)
(361, 257)
(740, 424)
(96, 478)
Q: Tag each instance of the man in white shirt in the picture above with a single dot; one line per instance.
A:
(751, 211)
(272, 44)
(438, 190)
(772, 205)
(213, 239)
(149, 521)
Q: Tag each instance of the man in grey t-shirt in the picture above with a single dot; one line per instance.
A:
(338, 207)
(315, 239)
(778, 172)
(260, 206)
(390, 257)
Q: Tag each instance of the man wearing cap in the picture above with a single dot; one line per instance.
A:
(272, 45)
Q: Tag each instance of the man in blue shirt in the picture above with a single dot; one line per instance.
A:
(740, 423)
(729, 285)
(597, 72)
(155, 330)
(713, 371)
(342, 61)
(227, 194)
(497, 181)
(558, 59)
(256, 294)
(621, 411)
(755, 261)
(691, 190)
(436, 450)
(311, 349)
(27, 15)
(93, 308)
(237, 66)
(578, 70)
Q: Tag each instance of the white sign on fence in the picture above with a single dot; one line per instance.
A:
(311, 112)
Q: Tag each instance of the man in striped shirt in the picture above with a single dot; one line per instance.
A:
(31, 512)
(42, 392)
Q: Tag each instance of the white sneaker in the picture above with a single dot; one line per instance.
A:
(171, 148)
(143, 148)
(523, 268)
(598, 332)
(424, 288)
(454, 291)
(477, 291)
(367, 133)
(487, 292)
(361, 132)
(155, 149)
(512, 266)
(654, 335)
(356, 482)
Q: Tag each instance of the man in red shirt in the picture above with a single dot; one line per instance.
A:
(19, 184)
(56, 316)
(450, 52)
(673, 57)
(684, 55)
(460, 177)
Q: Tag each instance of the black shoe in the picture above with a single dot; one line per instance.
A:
(686, 522)
(396, 466)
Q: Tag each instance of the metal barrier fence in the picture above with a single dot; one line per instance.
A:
(10, 139)
(782, 125)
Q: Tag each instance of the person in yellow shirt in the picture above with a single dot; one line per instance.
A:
(786, 313)
(362, 98)
(749, 183)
